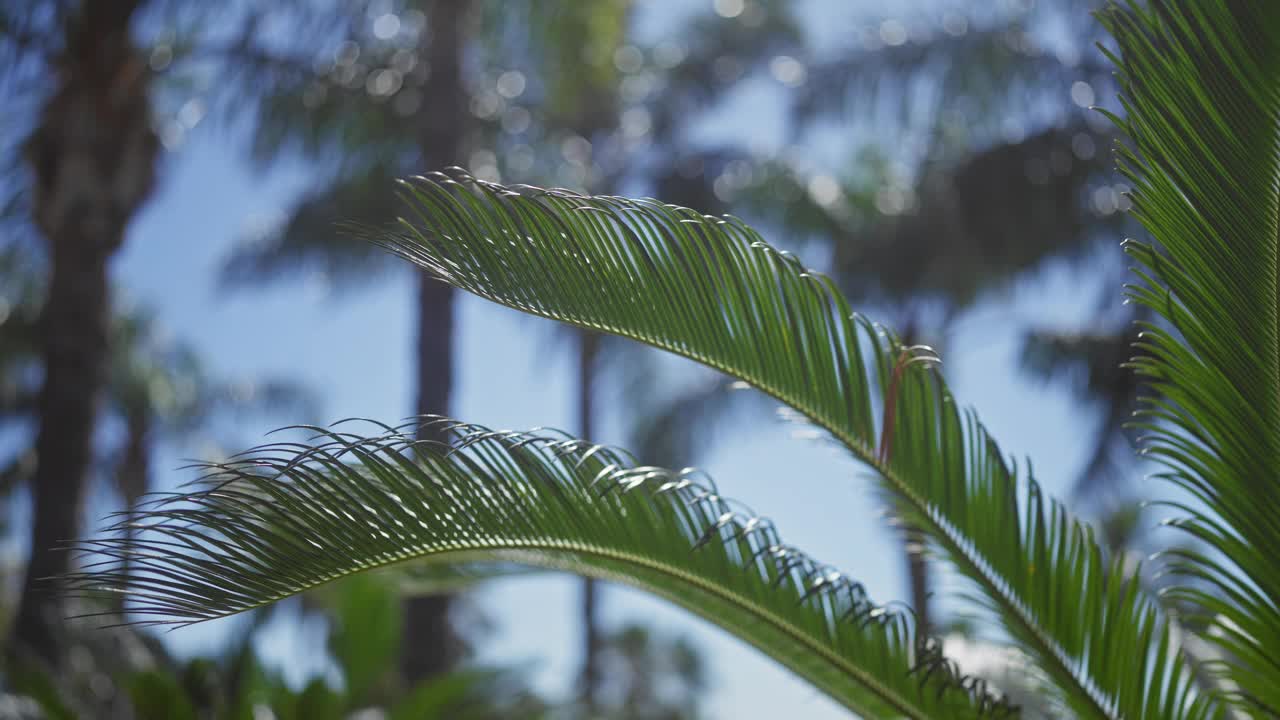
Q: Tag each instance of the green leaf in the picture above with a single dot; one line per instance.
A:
(433, 698)
(712, 290)
(318, 701)
(1201, 87)
(466, 695)
(295, 515)
(365, 639)
(35, 683)
(159, 696)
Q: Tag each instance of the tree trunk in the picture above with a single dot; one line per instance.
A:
(133, 477)
(432, 645)
(75, 343)
(93, 161)
(588, 348)
(917, 577)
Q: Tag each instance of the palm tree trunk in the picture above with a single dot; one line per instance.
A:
(75, 343)
(93, 161)
(133, 478)
(588, 348)
(917, 577)
(433, 645)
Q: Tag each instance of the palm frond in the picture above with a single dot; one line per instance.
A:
(292, 516)
(712, 290)
(1202, 98)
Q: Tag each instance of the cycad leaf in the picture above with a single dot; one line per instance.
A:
(711, 290)
(1201, 84)
(291, 516)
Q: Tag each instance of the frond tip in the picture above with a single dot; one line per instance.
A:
(290, 516)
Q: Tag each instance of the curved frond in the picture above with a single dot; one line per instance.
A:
(292, 516)
(712, 290)
(1201, 86)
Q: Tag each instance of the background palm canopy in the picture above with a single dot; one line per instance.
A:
(1199, 145)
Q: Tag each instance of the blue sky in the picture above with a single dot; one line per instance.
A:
(354, 349)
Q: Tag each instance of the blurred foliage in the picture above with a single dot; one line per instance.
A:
(983, 162)
(158, 390)
(558, 92)
(969, 225)
(986, 164)
(20, 300)
(1094, 363)
(575, 48)
(125, 674)
(649, 677)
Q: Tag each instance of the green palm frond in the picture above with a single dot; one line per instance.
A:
(1202, 98)
(712, 290)
(292, 516)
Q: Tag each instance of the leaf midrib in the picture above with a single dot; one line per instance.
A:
(542, 552)
(1012, 605)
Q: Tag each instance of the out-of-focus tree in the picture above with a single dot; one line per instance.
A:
(649, 676)
(595, 107)
(91, 160)
(1002, 166)
(984, 148)
(20, 300)
(987, 164)
(93, 146)
(87, 163)
(159, 392)
(556, 90)
(385, 91)
(124, 674)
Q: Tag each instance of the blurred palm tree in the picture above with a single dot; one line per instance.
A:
(124, 674)
(649, 676)
(20, 299)
(91, 156)
(159, 392)
(587, 106)
(996, 166)
(1006, 168)
(93, 89)
(380, 86)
